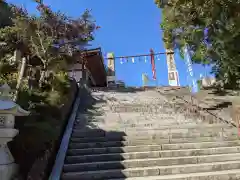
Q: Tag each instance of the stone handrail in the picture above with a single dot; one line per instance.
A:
(59, 162)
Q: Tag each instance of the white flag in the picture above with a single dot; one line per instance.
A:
(121, 61)
(133, 60)
(145, 59)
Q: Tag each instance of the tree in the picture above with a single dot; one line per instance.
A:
(50, 40)
(212, 30)
(5, 14)
(52, 37)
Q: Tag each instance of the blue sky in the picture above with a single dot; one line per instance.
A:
(128, 27)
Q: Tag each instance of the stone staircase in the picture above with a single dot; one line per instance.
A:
(153, 145)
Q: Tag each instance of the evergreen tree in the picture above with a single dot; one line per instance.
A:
(212, 30)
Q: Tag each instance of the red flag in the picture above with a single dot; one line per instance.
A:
(38, 1)
(153, 64)
(98, 27)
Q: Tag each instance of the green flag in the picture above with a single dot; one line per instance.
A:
(145, 79)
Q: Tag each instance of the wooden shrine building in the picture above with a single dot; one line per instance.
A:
(89, 67)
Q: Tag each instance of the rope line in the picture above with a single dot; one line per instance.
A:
(142, 55)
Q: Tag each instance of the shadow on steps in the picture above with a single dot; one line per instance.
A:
(93, 151)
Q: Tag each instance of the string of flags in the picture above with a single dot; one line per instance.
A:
(144, 59)
(133, 59)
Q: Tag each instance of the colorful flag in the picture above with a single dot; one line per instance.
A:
(193, 83)
(145, 79)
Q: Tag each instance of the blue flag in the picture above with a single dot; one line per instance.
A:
(193, 83)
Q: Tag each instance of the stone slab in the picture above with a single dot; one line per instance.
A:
(215, 175)
(151, 154)
(94, 166)
(154, 171)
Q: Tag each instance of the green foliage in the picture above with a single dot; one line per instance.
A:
(54, 97)
(9, 78)
(61, 83)
(199, 83)
(5, 14)
(184, 21)
(49, 42)
(52, 37)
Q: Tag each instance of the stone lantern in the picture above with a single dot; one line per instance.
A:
(8, 111)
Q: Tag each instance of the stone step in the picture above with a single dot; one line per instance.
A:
(150, 162)
(160, 126)
(164, 120)
(199, 145)
(173, 133)
(147, 125)
(132, 123)
(151, 145)
(162, 133)
(215, 175)
(166, 132)
(142, 148)
(77, 144)
(151, 110)
(150, 154)
(137, 119)
(166, 135)
(152, 171)
(105, 150)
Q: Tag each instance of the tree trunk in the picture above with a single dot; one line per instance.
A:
(42, 76)
(20, 78)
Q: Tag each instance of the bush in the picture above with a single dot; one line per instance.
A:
(41, 132)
